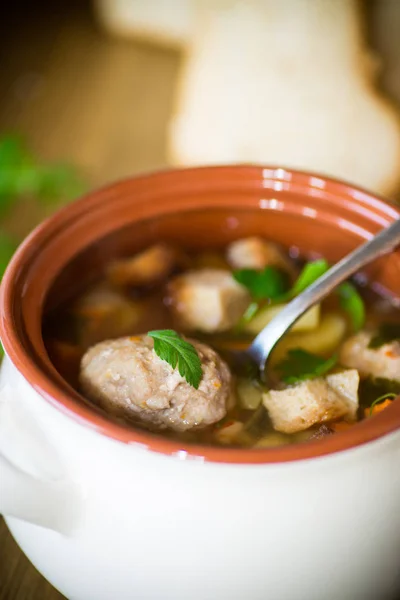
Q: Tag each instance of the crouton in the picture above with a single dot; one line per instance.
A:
(146, 268)
(207, 300)
(313, 402)
(256, 253)
(382, 362)
(346, 384)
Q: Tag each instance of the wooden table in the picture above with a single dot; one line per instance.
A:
(101, 103)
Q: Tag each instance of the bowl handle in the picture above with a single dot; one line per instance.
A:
(35, 485)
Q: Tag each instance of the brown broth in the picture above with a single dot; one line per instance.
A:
(103, 312)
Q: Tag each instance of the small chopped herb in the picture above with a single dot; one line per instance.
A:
(247, 316)
(176, 351)
(389, 396)
(387, 332)
(310, 273)
(300, 365)
(352, 303)
(268, 283)
(250, 312)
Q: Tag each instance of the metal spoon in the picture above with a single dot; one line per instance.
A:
(262, 346)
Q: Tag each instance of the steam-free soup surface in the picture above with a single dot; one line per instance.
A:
(338, 365)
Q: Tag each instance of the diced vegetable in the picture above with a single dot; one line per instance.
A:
(322, 340)
(228, 433)
(249, 394)
(308, 321)
(271, 440)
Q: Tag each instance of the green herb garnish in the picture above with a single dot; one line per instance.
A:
(352, 303)
(310, 273)
(389, 396)
(176, 351)
(387, 332)
(300, 365)
(268, 283)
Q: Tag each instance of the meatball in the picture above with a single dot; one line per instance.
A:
(126, 378)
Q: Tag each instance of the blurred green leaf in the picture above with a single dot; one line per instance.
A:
(59, 182)
(22, 174)
(13, 151)
(7, 248)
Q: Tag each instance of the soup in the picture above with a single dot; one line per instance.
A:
(156, 341)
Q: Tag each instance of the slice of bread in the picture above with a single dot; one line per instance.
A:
(164, 22)
(288, 83)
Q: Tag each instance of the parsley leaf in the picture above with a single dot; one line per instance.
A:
(268, 283)
(300, 365)
(172, 348)
(352, 303)
(310, 273)
(388, 332)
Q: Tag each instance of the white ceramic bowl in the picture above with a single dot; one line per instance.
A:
(106, 512)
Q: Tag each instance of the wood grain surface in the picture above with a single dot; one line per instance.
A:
(97, 102)
(102, 104)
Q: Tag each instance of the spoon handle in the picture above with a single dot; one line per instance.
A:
(383, 242)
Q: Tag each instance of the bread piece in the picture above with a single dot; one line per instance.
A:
(376, 362)
(165, 22)
(312, 402)
(207, 300)
(257, 253)
(287, 83)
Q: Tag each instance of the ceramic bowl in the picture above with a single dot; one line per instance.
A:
(106, 511)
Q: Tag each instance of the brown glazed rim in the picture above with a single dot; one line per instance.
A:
(337, 197)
